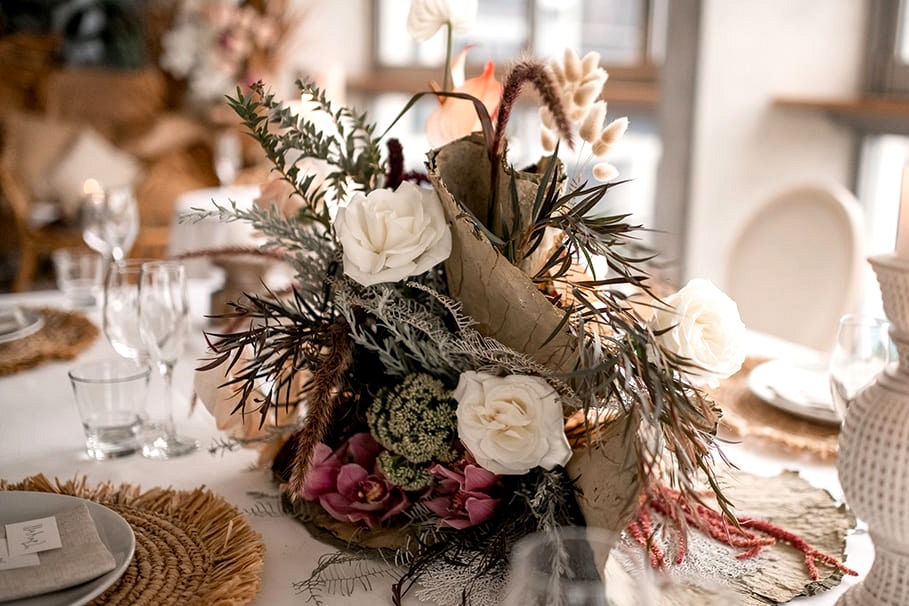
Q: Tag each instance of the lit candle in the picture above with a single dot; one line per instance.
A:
(91, 187)
(902, 229)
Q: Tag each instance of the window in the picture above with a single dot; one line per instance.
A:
(883, 156)
(628, 34)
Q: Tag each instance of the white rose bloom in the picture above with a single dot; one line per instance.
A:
(511, 424)
(389, 235)
(704, 326)
(427, 16)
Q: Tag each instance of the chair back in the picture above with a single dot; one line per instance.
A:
(796, 265)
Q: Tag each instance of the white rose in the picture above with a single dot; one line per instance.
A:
(511, 424)
(389, 235)
(427, 16)
(704, 326)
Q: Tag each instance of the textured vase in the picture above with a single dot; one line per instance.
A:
(873, 459)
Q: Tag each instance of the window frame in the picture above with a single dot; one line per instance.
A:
(636, 84)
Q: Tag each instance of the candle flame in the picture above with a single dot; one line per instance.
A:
(91, 187)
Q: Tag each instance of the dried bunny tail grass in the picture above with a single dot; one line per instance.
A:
(614, 131)
(228, 572)
(592, 126)
(608, 138)
(574, 68)
(548, 140)
(587, 94)
(604, 171)
(600, 149)
(591, 63)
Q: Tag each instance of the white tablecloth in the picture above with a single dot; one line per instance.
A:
(40, 432)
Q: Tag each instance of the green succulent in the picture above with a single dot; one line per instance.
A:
(415, 419)
(401, 472)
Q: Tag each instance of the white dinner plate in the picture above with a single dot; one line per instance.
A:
(801, 389)
(18, 322)
(115, 532)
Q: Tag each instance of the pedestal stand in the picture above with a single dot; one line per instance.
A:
(873, 458)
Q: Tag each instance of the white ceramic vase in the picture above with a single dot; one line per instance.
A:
(873, 459)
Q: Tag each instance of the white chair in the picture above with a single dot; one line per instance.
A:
(796, 265)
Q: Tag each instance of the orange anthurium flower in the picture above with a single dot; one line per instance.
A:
(456, 118)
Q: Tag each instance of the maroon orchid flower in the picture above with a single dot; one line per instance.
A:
(349, 486)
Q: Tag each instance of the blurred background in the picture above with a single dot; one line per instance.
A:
(730, 103)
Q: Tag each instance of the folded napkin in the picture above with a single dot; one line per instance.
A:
(82, 558)
(805, 385)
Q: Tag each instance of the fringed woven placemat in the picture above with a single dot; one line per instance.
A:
(65, 335)
(192, 547)
(746, 416)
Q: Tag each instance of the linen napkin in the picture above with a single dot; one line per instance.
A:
(82, 558)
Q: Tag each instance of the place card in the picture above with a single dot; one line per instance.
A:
(8, 562)
(33, 536)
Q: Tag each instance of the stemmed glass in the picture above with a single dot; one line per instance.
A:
(120, 310)
(110, 221)
(588, 566)
(164, 326)
(228, 156)
(860, 353)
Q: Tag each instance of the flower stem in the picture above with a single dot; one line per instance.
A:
(446, 77)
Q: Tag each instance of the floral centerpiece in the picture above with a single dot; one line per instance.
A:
(450, 371)
(215, 45)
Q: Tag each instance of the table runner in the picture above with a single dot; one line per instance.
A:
(192, 547)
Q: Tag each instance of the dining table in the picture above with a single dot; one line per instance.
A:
(41, 433)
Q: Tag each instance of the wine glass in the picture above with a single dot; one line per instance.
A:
(587, 566)
(164, 325)
(860, 353)
(228, 156)
(120, 309)
(110, 221)
(562, 568)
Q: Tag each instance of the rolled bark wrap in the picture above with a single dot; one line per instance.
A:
(508, 306)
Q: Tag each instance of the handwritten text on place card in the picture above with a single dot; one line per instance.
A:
(8, 562)
(33, 536)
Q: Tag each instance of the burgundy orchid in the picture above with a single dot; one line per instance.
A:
(349, 486)
(464, 498)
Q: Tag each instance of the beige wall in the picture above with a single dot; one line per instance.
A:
(331, 43)
(745, 150)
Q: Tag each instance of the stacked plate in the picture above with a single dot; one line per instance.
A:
(113, 530)
(799, 388)
(18, 322)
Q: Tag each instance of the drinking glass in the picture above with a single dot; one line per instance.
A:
(586, 566)
(110, 221)
(164, 325)
(860, 353)
(80, 275)
(120, 310)
(110, 394)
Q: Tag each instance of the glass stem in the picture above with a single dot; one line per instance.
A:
(167, 373)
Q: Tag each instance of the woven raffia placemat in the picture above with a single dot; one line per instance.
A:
(65, 335)
(193, 548)
(746, 416)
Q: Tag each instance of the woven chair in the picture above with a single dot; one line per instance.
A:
(35, 242)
